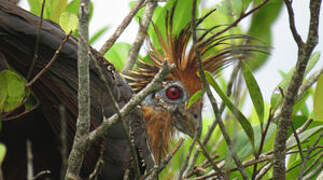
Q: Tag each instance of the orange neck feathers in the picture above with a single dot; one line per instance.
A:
(159, 130)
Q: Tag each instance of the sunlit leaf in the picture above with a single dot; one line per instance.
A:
(196, 96)
(3, 92)
(117, 55)
(254, 91)
(98, 34)
(276, 97)
(233, 7)
(35, 6)
(264, 18)
(312, 61)
(68, 22)
(15, 87)
(3, 152)
(291, 142)
(57, 8)
(318, 100)
(245, 124)
(242, 144)
(219, 20)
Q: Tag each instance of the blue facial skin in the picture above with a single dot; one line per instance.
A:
(187, 121)
(160, 98)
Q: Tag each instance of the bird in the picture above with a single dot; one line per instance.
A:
(166, 110)
(155, 122)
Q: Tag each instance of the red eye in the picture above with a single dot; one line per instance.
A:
(173, 92)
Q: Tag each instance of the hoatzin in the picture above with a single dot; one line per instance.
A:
(163, 111)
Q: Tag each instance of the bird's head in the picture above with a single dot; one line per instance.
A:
(166, 110)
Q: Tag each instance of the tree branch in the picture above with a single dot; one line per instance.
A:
(304, 52)
(141, 35)
(83, 122)
(154, 85)
(126, 21)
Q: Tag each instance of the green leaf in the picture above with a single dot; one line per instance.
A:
(233, 7)
(219, 19)
(264, 18)
(56, 8)
(318, 100)
(312, 61)
(196, 96)
(276, 97)
(15, 87)
(242, 145)
(291, 142)
(3, 92)
(3, 152)
(35, 6)
(73, 7)
(245, 124)
(182, 16)
(254, 91)
(117, 55)
(68, 22)
(98, 34)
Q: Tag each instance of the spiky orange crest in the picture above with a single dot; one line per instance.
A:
(176, 50)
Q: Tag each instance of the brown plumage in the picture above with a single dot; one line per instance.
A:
(176, 50)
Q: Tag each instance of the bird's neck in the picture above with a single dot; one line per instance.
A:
(159, 130)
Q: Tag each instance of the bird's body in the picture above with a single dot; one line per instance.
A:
(56, 87)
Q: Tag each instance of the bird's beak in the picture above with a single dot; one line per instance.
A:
(190, 121)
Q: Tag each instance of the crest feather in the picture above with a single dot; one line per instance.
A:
(175, 49)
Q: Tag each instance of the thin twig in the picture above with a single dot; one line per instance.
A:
(170, 155)
(99, 163)
(30, 167)
(317, 160)
(262, 142)
(304, 126)
(126, 21)
(292, 26)
(1, 174)
(37, 41)
(242, 16)
(299, 145)
(309, 83)
(63, 140)
(214, 166)
(52, 60)
(141, 35)
(184, 166)
(317, 170)
(163, 164)
(6, 116)
(41, 173)
(263, 171)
